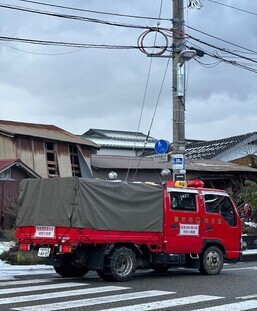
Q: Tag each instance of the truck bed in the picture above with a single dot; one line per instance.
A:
(76, 236)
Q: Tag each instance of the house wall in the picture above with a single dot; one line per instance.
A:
(7, 150)
(31, 151)
(63, 157)
(39, 159)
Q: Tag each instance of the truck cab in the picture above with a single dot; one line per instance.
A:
(203, 223)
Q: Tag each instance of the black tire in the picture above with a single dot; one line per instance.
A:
(103, 275)
(68, 268)
(71, 271)
(120, 265)
(212, 261)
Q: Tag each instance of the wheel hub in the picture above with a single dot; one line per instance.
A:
(212, 261)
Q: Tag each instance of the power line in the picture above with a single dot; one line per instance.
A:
(220, 59)
(233, 63)
(97, 12)
(225, 41)
(222, 49)
(124, 47)
(38, 53)
(232, 7)
(77, 17)
(73, 44)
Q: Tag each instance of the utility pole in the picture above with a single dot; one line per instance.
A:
(178, 93)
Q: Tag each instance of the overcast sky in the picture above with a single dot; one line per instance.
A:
(80, 88)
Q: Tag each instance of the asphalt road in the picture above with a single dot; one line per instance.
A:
(179, 289)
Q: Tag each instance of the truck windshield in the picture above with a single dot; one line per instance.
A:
(222, 205)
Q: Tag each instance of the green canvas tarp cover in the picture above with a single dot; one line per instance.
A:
(90, 203)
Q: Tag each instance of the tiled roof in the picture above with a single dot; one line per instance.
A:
(121, 162)
(120, 139)
(212, 149)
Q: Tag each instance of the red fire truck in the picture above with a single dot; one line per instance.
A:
(116, 228)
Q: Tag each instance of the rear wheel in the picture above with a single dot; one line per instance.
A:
(212, 261)
(68, 268)
(103, 275)
(120, 265)
(71, 271)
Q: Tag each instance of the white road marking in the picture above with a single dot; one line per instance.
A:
(37, 288)
(166, 303)
(24, 282)
(237, 306)
(67, 293)
(238, 269)
(247, 297)
(93, 301)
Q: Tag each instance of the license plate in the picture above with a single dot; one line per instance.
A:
(44, 252)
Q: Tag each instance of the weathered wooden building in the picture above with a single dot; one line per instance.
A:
(46, 149)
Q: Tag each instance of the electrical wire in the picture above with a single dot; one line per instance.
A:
(117, 47)
(225, 41)
(234, 63)
(232, 7)
(74, 44)
(222, 49)
(208, 65)
(140, 42)
(220, 58)
(96, 12)
(77, 17)
(38, 53)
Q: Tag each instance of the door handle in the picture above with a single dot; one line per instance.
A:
(174, 227)
(209, 228)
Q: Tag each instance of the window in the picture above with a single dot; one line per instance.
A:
(51, 160)
(183, 201)
(222, 205)
(75, 168)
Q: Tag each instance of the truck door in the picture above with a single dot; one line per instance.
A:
(184, 222)
(221, 221)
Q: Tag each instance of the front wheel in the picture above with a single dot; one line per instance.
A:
(120, 265)
(212, 261)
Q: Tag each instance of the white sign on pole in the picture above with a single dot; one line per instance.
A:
(178, 162)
